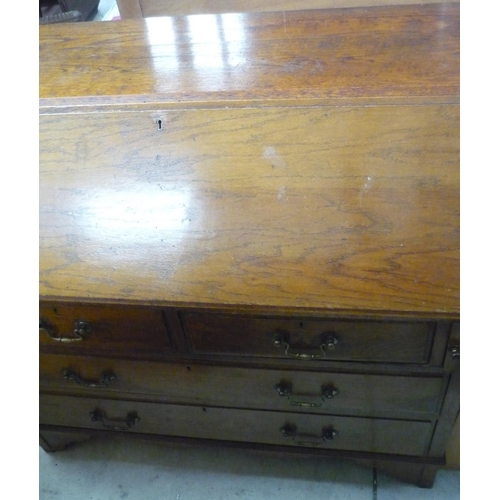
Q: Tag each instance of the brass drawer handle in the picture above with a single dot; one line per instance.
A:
(329, 342)
(82, 328)
(115, 424)
(285, 390)
(104, 380)
(290, 431)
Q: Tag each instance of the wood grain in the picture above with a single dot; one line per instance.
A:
(295, 168)
(328, 208)
(376, 53)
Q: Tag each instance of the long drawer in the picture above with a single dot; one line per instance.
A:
(277, 428)
(285, 390)
(374, 341)
(104, 327)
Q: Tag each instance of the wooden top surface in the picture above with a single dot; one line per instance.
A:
(314, 208)
(379, 52)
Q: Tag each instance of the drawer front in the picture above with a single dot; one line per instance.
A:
(277, 428)
(283, 390)
(112, 328)
(396, 342)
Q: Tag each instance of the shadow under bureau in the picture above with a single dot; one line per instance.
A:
(250, 237)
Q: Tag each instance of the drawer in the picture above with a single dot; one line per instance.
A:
(277, 428)
(283, 390)
(374, 341)
(103, 327)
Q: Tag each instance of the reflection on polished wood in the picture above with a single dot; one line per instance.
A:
(281, 199)
(383, 52)
(256, 217)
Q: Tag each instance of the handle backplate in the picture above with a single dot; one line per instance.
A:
(290, 431)
(328, 342)
(104, 380)
(305, 400)
(115, 424)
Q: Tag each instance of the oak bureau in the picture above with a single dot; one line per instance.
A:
(249, 232)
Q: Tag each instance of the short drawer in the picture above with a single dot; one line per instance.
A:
(104, 327)
(373, 341)
(281, 390)
(277, 428)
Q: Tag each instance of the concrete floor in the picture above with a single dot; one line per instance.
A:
(109, 469)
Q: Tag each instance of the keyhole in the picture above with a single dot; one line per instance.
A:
(160, 124)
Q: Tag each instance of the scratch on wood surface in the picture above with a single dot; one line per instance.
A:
(284, 24)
